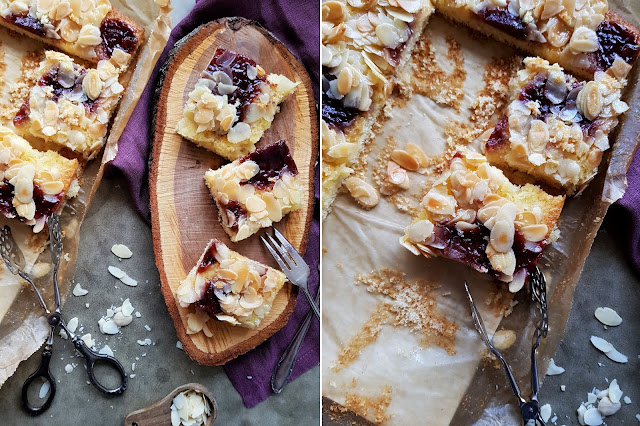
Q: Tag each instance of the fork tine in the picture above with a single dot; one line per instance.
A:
(281, 251)
(275, 255)
(478, 319)
(290, 249)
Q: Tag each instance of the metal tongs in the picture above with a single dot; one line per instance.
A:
(14, 259)
(530, 410)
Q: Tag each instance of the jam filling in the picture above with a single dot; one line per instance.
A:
(499, 137)
(333, 110)
(208, 259)
(46, 205)
(236, 66)
(469, 247)
(273, 160)
(51, 79)
(27, 23)
(118, 34)
(503, 20)
(614, 40)
(237, 210)
(210, 303)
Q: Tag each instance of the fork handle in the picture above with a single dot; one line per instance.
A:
(313, 305)
(284, 367)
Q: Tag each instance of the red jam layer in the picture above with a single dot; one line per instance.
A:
(615, 40)
(235, 209)
(499, 137)
(208, 259)
(50, 78)
(469, 247)
(210, 303)
(274, 160)
(236, 66)
(27, 23)
(503, 20)
(46, 205)
(333, 111)
(118, 34)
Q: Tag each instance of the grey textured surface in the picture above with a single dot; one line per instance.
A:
(112, 220)
(607, 280)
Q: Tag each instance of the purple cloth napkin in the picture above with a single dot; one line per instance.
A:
(296, 24)
(624, 216)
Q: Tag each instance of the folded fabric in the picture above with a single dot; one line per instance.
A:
(297, 25)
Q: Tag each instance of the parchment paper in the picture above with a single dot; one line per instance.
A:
(395, 377)
(23, 329)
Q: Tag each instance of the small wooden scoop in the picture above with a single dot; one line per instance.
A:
(160, 412)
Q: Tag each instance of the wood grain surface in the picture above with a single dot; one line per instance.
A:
(184, 217)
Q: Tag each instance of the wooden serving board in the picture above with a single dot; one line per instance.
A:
(184, 217)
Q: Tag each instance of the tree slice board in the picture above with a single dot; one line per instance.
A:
(184, 217)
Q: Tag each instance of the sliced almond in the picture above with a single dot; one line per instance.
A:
(405, 160)
(417, 153)
(362, 192)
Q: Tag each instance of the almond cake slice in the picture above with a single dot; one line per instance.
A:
(364, 43)
(256, 191)
(583, 36)
(232, 105)
(229, 287)
(475, 216)
(89, 29)
(71, 105)
(33, 184)
(556, 127)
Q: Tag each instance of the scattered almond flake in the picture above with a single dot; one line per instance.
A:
(554, 369)
(591, 398)
(627, 400)
(132, 375)
(133, 366)
(68, 368)
(144, 354)
(110, 313)
(86, 305)
(563, 388)
(67, 257)
(145, 342)
(608, 316)
(554, 419)
(147, 327)
(601, 344)
(138, 314)
(127, 308)
(116, 272)
(179, 345)
(545, 412)
(614, 391)
(616, 356)
(88, 340)
(106, 350)
(44, 389)
(592, 417)
(638, 417)
(79, 291)
(127, 280)
(250, 377)
(606, 407)
(601, 364)
(121, 251)
(109, 327)
(72, 325)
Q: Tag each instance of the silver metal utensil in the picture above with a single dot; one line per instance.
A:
(529, 409)
(292, 264)
(283, 369)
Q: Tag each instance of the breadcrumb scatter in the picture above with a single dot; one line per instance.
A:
(373, 408)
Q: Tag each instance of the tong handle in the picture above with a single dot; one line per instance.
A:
(41, 372)
(92, 357)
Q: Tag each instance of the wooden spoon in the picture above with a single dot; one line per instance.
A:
(160, 412)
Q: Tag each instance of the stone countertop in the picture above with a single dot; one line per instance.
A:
(161, 367)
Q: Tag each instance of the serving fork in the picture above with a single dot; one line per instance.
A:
(529, 409)
(291, 263)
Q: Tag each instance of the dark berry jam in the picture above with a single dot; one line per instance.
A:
(236, 66)
(237, 210)
(274, 160)
(499, 136)
(118, 34)
(22, 115)
(393, 55)
(46, 205)
(333, 110)
(208, 259)
(503, 20)
(210, 303)
(614, 40)
(27, 23)
(469, 247)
